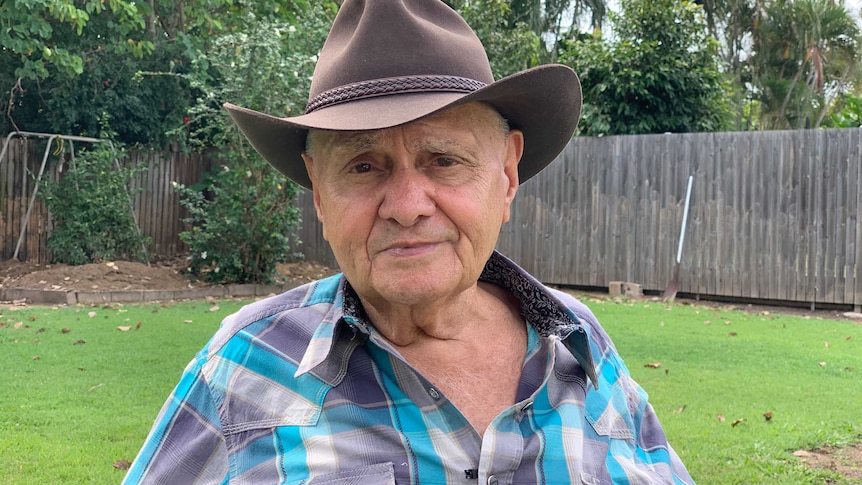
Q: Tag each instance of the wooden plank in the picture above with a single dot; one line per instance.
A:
(853, 221)
(789, 209)
(837, 157)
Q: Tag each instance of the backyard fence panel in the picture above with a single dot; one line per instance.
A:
(774, 215)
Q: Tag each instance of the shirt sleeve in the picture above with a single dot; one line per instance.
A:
(186, 443)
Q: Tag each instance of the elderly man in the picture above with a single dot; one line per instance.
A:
(432, 358)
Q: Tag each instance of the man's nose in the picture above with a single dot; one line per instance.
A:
(407, 197)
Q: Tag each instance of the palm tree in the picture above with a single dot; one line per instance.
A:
(805, 52)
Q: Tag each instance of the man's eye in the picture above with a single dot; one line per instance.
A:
(444, 162)
(363, 167)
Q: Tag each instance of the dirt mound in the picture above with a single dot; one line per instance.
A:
(127, 275)
(846, 461)
(119, 275)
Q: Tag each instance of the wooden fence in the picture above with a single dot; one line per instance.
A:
(156, 207)
(774, 215)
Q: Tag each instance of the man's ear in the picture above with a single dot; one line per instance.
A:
(514, 151)
(309, 167)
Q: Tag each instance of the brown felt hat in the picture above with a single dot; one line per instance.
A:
(386, 63)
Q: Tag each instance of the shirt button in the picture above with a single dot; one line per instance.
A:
(433, 392)
(492, 480)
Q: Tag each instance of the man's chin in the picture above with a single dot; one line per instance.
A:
(415, 288)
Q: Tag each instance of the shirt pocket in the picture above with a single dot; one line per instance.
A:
(611, 410)
(379, 474)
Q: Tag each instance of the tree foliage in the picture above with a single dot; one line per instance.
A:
(659, 74)
(804, 53)
(510, 48)
(789, 60)
(242, 217)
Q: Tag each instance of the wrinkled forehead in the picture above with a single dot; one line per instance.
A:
(473, 116)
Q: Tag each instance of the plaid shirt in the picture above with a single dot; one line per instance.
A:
(301, 389)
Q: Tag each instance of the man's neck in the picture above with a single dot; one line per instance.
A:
(454, 319)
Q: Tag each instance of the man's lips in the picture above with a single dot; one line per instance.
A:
(410, 248)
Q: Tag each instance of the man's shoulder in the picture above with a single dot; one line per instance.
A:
(296, 313)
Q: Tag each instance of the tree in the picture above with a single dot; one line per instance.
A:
(48, 41)
(804, 53)
(732, 22)
(510, 48)
(66, 64)
(550, 21)
(659, 74)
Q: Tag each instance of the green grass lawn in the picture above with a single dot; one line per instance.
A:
(715, 363)
(73, 403)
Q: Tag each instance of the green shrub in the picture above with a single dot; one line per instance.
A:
(241, 223)
(90, 212)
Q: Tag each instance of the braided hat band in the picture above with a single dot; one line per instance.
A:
(393, 85)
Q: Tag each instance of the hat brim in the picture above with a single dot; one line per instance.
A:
(544, 102)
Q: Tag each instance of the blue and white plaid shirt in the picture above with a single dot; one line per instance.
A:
(301, 389)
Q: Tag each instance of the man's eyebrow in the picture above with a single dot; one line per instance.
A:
(442, 145)
(351, 143)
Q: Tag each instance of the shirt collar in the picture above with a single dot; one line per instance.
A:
(347, 325)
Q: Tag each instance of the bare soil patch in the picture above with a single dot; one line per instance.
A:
(127, 275)
(846, 461)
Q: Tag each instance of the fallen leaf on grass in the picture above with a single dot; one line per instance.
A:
(92, 314)
(95, 387)
(767, 415)
(732, 334)
(826, 344)
(737, 421)
(65, 330)
(41, 330)
(36, 357)
(680, 410)
(18, 325)
(32, 319)
(122, 464)
(720, 418)
(653, 365)
(79, 342)
(847, 337)
(215, 308)
(822, 364)
(187, 321)
(124, 328)
(138, 325)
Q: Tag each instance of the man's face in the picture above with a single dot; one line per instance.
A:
(412, 213)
